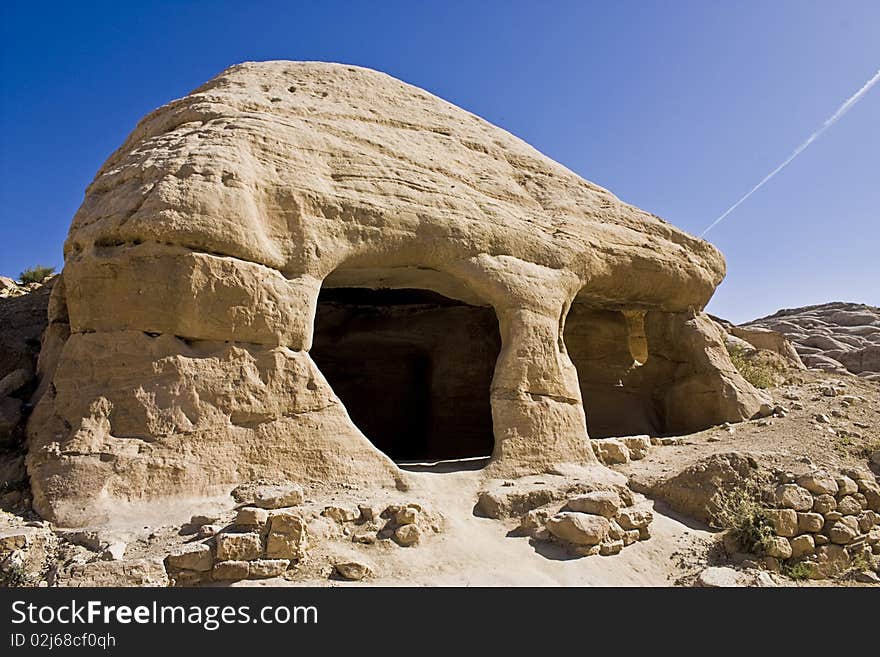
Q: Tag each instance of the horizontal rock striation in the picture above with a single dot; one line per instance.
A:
(837, 337)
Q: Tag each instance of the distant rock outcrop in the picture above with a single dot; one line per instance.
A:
(837, 337)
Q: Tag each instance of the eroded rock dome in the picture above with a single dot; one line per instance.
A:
(182, 346)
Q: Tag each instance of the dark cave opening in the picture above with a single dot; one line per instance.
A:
(620, 397)
(412, 367)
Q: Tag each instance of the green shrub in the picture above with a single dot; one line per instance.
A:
(15, 576)
(799, 570)
(759, 375)
(739, 510)
(36, 274)
(861, 562)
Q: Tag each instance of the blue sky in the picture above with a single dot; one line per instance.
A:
(678, 107)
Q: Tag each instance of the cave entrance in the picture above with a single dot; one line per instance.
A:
(412, 367)
(621, 396)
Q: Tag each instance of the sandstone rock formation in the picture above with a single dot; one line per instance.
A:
(23, 317)
(755, 339)
(837, 337)
(281, 197)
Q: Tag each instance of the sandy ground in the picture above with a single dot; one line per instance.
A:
(475, 551)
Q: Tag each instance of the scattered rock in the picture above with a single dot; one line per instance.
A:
(89, 539)
(406, 516)
(366, 513)
(407, 535)
(638, 446)
(867, 577)
(207, 531)
(505, 501)
(365, 538)
(610, 451)
(719, 577)
(278, 497)
(635, 518)
(352, 570)
(115, 551)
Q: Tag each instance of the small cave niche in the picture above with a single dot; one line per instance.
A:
(412, 367)
(621, 395)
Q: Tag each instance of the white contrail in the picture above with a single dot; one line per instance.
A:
(843, 109)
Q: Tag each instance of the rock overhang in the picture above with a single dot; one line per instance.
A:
(194, 267)
(307, 180)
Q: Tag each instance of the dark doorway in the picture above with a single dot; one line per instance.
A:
(412, 367)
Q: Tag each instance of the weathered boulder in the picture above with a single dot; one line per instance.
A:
(225, 213)
(25, 554)
(251, 517)
(265, 568)
(785, 522)
(719, 577)
(792, 496)
(778, 547)
(288, 536)
(277, 497)
(137, 572)
(230, 570)
(802, 545)
(239, 547)
(191, 556)
(352, 570)
(770, 341)
(603, 503)
(830, 561)
(818, 483)
(694, 491)
(407, 535)
(578, 528)
(810, 522)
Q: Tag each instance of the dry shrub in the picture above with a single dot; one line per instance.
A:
(740, 511)
(758, 371)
